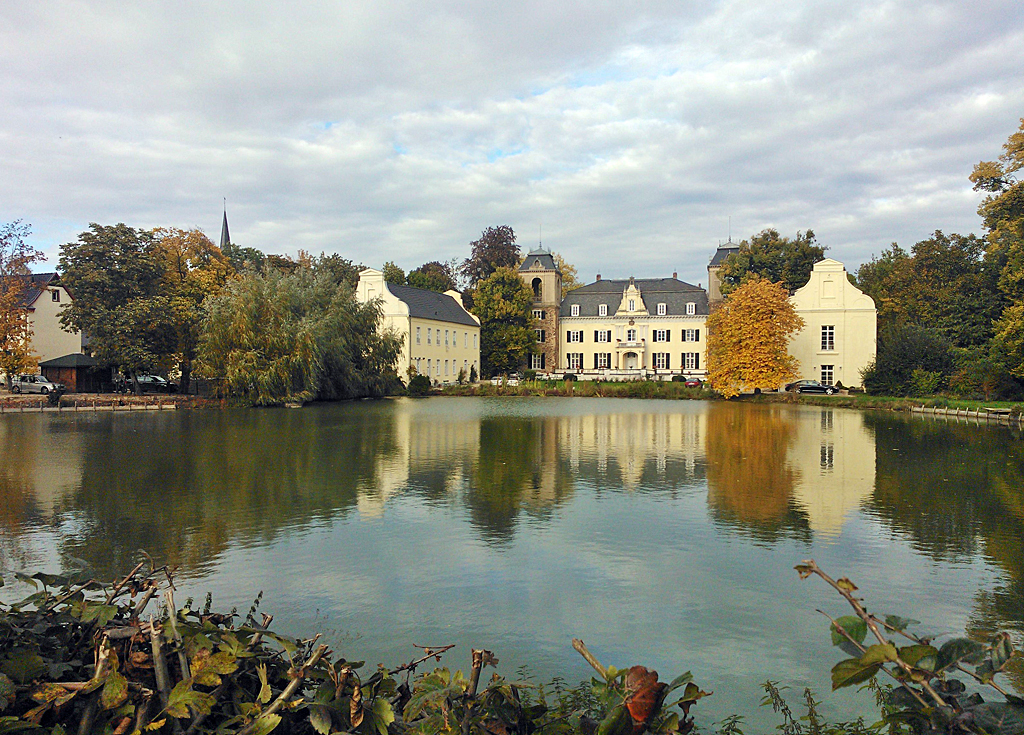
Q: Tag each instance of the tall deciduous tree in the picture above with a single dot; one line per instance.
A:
(116, 277)
(393, 274)
(275, 337)
(434, 276)
(15, 332)
(748, 338)
(503, 302)
(495, 249)
(773, 257)
(570, 279)
(193, 269)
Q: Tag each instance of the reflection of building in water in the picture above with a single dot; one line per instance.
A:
(644, 448)
(424, 446)
(772, 469)
(42, 464)
(835, 455)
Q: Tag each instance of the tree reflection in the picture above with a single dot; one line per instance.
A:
(750, 477)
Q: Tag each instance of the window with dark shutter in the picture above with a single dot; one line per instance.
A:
(696, 335)
(595, 335)
(668, 335)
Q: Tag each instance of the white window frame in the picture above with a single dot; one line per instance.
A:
(429, 330)
(574, 310)
(602, 310)
(660, 335)
(474, 344)
(535, 361)
(418, 335)
(632, 304)
(691, 308)
(631, 335)
(662, 309)
(828, 374)
(690, 336)
(55, 295)
(660, 360)
(540, 335)
(828, 338)
(574, 360)
(604, 360)
(446, 338)
(538, 313)
(603, 335)
(690, 361)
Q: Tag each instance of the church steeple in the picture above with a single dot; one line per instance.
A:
(225, 236)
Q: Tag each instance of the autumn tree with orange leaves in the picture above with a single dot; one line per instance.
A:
(748, 339)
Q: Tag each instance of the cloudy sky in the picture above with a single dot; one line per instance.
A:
(631, 132)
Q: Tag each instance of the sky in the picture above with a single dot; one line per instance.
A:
(632, 138)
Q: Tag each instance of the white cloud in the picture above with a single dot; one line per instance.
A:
(400, 130)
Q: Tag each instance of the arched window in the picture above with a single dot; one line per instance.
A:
(538, 288)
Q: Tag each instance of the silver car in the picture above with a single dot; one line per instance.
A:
(34, 384)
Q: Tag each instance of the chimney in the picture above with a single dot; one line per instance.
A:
(675, 275)
(599, 276)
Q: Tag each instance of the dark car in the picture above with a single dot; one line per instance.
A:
(810, 386)
(147, 384)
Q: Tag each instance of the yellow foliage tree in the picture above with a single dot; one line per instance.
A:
(748, 338)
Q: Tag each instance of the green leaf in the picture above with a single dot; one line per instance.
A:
(264, 694)
(618, 722)
(853, 625)
(895, 621)
(183, 698)
(852, 671)
(14, 724)
(1002, 651)
(921, 656)
(999, 718)
(381, 715)
(23, 665)
(957, 650)
(879, 654)
(100, 614)
(320, 718)
(265, 724)
(115, 691)
(207, 668)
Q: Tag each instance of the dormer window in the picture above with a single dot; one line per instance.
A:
(574, 310)
(632, 305)
(602, 310)
(662, 310)
(691, 308)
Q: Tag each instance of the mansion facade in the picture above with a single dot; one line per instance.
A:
(656, 327)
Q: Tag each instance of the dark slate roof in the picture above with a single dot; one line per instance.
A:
(74, 360)
(36, 284)
(723, 252)
(425, 304)
(538, 256)
(672, 292)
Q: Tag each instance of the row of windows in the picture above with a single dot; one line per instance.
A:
(454, 337)
(428, 367)
(605, 335)
(660, 361)
(602, 309)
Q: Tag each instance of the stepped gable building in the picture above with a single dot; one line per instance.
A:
(641, 326)
(440, 338)
(540, 272)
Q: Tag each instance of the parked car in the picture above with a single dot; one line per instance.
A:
(810, 386)
(693, 383)
(147, 384)
(35, 384)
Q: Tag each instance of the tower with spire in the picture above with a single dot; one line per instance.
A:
(225, 235)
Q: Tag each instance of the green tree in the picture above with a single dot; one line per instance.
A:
(393, 274)
(15, 332)
(904, 348)
(495, 249)
(772, 257)
(116, 276)
(193, 269)
(278, 336)
(570, 280)
(748, 338)
(338, 269)
(503, 303)
(434, 276)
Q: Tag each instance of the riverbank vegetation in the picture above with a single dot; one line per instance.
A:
(82, 656)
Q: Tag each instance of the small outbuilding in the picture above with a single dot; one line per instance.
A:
(80, 373)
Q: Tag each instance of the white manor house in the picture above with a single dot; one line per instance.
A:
(655, 327)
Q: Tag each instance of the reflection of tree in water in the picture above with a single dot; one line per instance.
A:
(19, 440)
(186, 489)
(957, 491)
(750, 478)
(517, 470)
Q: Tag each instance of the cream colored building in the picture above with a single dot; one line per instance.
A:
(43, 298)
(440, 338)
(839, 335)
(641, 327)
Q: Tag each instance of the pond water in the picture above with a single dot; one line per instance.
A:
(660, 532)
